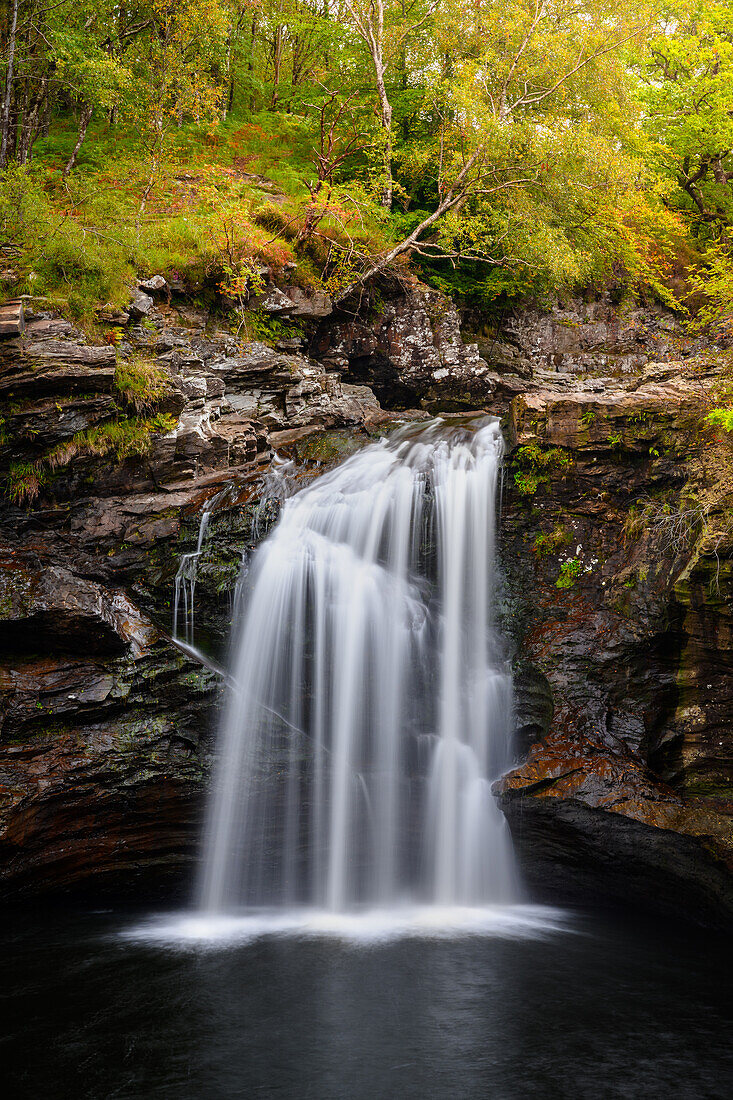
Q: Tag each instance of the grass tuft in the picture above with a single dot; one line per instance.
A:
(141, 384)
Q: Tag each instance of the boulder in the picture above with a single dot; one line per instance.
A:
(140, 306)
(274, 301)
(155, 285)
(309, 304)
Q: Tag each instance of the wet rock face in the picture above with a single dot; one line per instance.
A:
(104, 736)
(616, 520)
(48, 609)
(105, 725)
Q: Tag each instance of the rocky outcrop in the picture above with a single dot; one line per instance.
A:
(411, 354)
(618, 557)
(103, 735)
(594, 335)
(105, 723)
(411, 349)
(620, 511)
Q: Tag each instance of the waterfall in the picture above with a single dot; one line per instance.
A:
(371, 705)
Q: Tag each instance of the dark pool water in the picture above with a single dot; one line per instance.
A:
(600, 1009)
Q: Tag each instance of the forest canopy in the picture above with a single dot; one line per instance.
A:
(497, 150)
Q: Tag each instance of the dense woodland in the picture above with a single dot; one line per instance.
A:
(498, 150)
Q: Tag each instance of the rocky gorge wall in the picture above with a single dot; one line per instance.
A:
(616, 549)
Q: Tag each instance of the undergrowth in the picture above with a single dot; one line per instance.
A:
(552, 541)
(223, 200)
(25, 481)
(122, 438)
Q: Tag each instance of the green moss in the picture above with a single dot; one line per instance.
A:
(709, 788)
(570, 570)
(552, 541)
(534, 466)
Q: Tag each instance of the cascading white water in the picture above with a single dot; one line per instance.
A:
(371, 707)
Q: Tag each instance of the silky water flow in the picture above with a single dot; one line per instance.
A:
(370, 707)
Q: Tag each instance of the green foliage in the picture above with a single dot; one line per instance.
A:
(720, 418)
(634, 524)
(128, 438)
(263, 326)
(124, 438)
(686, 73)
(213, 138)
(550, 542)
(536, 465)
(570, 570)
(56, 253)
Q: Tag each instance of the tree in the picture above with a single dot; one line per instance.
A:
(687, 76)
(522, 77)
(175, 74)
(382, 37)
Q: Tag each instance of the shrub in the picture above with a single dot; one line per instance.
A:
(536, 466)
(552, 541)
(123, 438)
(720, 418)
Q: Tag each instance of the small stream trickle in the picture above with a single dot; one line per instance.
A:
(276, 485)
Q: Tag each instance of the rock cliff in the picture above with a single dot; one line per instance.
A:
(146, 462)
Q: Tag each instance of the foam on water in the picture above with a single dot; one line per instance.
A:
(371, 926)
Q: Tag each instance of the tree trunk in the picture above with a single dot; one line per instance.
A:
(84, 120)
(386, 119)
(226, 99)
(277, 52)
(251, 62)
(22, 123)
(30, 122)
(404, 84)
(5, 119)
(454, 196)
